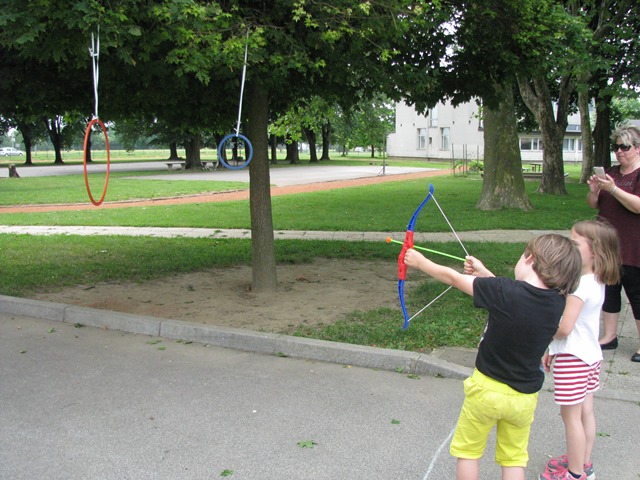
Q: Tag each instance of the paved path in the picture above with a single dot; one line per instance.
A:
(298, 175)
(476, 236)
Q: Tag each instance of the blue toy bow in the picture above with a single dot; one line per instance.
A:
(409, 243)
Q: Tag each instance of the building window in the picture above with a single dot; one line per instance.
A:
(444, 138)
(433, 117)
(569, 145)
(422, 138)
(531, 144)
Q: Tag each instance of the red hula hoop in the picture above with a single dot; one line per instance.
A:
(86, 178)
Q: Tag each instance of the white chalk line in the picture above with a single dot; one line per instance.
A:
(438, 452)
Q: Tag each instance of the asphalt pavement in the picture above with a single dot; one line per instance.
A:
(96, 402)
(95, 394)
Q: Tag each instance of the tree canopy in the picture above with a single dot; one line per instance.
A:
(178, 64)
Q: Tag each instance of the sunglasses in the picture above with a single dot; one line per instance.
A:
(621, 146)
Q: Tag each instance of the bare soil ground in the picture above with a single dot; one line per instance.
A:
(321, 292)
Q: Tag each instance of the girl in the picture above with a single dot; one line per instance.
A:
(577, 352)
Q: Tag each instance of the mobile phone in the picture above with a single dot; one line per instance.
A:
(599, 172)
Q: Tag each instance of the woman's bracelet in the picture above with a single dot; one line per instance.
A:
(614, 190)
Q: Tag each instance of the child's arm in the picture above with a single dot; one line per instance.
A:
(443, 274)
(547, 360)
(569, 317)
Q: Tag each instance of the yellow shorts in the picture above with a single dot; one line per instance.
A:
(487, 403)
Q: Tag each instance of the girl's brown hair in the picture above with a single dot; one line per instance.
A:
(557, 262)
(605, 245)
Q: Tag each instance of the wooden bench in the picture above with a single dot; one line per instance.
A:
(171, 164)
(535, 175)
(237, 160)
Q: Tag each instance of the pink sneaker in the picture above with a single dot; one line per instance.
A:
(556, 464)
(560, 475)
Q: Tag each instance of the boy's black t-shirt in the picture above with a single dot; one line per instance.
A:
(522, 321)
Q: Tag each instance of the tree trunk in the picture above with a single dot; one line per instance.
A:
(311, 137)
(552, 181)
(326, 141)
(87, 150)
(273, 142)
(292, 152)
(54, 128)
(26, 130)
(601, 132)
(587, 138)
(263, 254)
(502, 183)
(13, 172)
(192, 151)
(553, 125)
(173, 152)
(218, 137)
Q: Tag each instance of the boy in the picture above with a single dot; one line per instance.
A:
(523, 317)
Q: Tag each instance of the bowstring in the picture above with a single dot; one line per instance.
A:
(429, 304)
(449, 223)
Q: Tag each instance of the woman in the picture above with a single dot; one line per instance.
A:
(617, 198)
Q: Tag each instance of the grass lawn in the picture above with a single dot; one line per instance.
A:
(39, 263)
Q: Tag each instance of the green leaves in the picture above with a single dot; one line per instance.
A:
(307, 444)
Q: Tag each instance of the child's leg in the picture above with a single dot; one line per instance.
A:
(467, 469)
(589, 425)
(575, 382)
(588, 411)
(576, 438)
(513, 473)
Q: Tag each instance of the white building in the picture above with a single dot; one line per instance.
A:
(449, 132)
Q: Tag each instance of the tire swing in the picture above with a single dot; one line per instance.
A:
(237, 138)
(94, 52)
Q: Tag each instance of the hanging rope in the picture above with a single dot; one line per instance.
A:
(94, 52)
(237, 135)
(244, 74)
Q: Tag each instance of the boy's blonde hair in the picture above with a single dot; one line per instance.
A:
(605, 245)
(557, 262)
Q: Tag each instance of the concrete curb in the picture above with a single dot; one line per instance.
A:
(247, 340)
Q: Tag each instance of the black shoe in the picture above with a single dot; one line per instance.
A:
(612, 345)
(635, 357)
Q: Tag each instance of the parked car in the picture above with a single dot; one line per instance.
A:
(10, 152)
